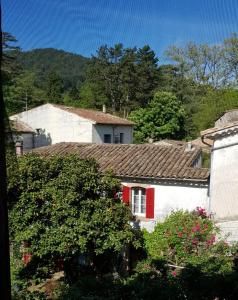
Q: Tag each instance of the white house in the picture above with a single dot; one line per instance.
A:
(156, 179)
(19, 132)
(224, 176)
(57, 123)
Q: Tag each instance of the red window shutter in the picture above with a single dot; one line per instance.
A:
(150, 195)
(126, 194)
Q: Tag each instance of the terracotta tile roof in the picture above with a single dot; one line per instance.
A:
(136, 160)
(167, 142)
(215, 132)
(96, 116)
(227, 111)
(195, 143)
(19, 126)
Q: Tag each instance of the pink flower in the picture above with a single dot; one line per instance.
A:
(180, 234)
(196, 228)
(194, 242)
(201, 212)
(212, 240)
(174, 273)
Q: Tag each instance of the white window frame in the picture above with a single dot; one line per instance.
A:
(140, 198)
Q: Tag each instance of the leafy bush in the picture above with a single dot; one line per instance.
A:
(186, 238)
(65, 208)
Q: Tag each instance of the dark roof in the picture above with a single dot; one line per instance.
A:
(136, 160)
(19, 126)
(216, 132)
(98, 117)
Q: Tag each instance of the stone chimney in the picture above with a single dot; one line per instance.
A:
(104, 110)
(189, 146)
(19, 148)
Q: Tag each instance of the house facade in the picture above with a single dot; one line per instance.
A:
(57, 123)
(21, 133)
(224, 176)
(155, 179)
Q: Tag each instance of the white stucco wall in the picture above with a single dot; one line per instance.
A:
(100, 130)
(229, 230)
(224, 178)
(171, 197)
(56, 125)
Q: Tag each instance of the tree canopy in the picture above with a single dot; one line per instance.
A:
(66, 207)
(163, 118)
(125, 79)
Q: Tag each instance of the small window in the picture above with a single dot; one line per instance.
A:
(138, 201)
(117, 139)
(121, 138)
(107, 138)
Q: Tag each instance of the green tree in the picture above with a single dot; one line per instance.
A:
(23, 93)
(54, 88)
(211, 105)
(163, 118)
(215, 65)
(66, 207)
(104, 71)
(147, 74)
(127, 77)
(91, 96)
(9, 65)
(231, 57)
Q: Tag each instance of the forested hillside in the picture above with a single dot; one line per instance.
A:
(70, 67)
(176, 100)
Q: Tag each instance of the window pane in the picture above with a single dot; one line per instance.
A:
(136, 201)
(116, 139)
(121, 138)
(107, 138)
(143, 203)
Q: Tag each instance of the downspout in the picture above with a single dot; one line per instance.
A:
(211, 163)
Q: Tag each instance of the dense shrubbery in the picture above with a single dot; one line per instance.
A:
(205, 267)
(184, 258)
(66, 208)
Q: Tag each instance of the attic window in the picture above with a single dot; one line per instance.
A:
(119, 138)
(107, 138)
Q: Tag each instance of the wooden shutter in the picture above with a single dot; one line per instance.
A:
(150, 195)
(126, 194)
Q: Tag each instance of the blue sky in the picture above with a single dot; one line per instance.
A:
(82, 26)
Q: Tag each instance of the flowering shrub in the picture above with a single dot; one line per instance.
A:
(188, 238)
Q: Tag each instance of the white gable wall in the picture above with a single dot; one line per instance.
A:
(224, 178)
(56, 125)
(172, 196)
